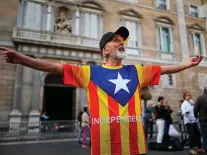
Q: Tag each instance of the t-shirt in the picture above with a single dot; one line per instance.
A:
(85, 119)
(113, 95)
(188, 106)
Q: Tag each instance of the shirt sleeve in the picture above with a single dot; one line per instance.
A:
(148, 75)
(76, 75)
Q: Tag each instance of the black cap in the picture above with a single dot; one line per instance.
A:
(122, 31)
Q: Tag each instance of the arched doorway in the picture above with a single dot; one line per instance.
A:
(59, 99)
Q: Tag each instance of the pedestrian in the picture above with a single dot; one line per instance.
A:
(113, 91)
(162, 113)
(80, 128)
(44, 123)
(157, 111)
(148, 121)
(200, 112)
(85, 127)
(191, 123)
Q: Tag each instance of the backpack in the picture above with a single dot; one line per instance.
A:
(80, 116)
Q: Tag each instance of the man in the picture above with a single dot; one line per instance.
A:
(200, 111)
(158, 113)
(163, 120)
(44, 118)
(113, 93)
(148, 121)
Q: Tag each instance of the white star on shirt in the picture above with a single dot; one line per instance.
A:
(120, 83)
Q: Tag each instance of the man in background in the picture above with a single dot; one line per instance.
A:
(148, 121)
(200, 112)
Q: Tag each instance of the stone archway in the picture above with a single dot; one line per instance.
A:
(58, 99)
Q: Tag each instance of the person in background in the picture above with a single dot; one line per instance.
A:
(191, 123)
(200, 112)
(85, 127)
(148, 121)
(44, 118)
(158, 114)
(80, 128)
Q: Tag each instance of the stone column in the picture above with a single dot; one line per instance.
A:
(34, 114)
(49, 18)
(182, 30)
(77, 22)
(15, 114)
(77, 102)
(26, 92)
(83, 99)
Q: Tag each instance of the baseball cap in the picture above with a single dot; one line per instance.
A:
(122, 31)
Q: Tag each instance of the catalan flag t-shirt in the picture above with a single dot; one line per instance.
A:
(114, 100)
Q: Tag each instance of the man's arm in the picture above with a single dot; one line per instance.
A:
(177, 68)
(15, 57)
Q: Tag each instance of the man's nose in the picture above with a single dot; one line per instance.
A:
(122, 43)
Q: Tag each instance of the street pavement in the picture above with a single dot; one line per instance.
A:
(57, 148)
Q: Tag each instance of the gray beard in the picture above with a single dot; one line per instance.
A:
(119, 55)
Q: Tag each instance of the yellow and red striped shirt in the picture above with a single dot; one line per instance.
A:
(114, 104)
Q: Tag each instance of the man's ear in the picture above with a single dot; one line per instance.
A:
(105, 50)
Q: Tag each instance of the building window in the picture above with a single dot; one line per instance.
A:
(198, 43)
(90, 25)
(165, 39)
(33, 16)
(163, 4)
(194, 11)
(133, 28)
(169, 81)
(202, 80)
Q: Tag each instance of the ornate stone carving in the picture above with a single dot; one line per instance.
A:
(63, 23)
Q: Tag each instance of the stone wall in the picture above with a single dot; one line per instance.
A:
(8, 15)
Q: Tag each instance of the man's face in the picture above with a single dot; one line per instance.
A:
(115, 48)
(163, 102)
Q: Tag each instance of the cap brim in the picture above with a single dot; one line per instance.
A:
(123, 32)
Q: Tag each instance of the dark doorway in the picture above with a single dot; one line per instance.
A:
(59, 99)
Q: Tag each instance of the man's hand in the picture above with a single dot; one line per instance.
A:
(195, 61)
(11, 56)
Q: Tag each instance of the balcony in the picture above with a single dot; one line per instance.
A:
(51, 38)
(128, 1)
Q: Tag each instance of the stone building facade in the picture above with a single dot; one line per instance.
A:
(162, 32)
